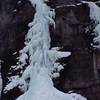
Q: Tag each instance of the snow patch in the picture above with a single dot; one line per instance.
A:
(95, 16)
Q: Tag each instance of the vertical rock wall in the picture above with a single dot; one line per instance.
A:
(79, 73)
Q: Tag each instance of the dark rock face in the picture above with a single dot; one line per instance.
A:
(79, 73)
(71, 31)
(13, 22)
(64, 2)
(69, 34)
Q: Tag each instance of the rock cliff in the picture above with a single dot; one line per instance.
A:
(72, 18)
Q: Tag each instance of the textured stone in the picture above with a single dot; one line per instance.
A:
(79, 73)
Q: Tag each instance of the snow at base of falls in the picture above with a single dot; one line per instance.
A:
(42, 89)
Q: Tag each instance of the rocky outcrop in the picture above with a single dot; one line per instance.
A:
(79, 73)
